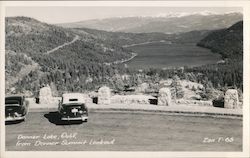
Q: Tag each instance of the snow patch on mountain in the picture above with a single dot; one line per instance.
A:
(179, 14)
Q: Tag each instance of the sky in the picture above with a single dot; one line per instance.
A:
(55, 15)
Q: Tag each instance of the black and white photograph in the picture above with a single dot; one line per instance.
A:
(124, 78)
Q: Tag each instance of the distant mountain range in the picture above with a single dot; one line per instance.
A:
(164, 23)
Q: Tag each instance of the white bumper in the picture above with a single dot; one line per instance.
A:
(15, 118)
(83, 118)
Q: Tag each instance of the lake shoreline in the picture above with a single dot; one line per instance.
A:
(122, 60)
(145, 43)
(175, 55)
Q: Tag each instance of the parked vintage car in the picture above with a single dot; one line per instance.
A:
(16, 108)
(73, 107)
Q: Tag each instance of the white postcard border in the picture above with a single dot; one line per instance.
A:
(246, 12)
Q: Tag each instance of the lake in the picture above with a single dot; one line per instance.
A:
(164, 55)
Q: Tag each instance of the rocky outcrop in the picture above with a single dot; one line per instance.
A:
(164, 97)
(231, 100)
(142, 88)
(104, 95)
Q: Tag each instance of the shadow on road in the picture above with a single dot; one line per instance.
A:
(13, 122)
(54, 117)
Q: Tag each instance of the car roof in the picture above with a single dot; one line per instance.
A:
(69, 98)
(14, 97)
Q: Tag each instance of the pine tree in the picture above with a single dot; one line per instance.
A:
(176, 84)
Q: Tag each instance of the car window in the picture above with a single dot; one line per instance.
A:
(12, 102)
(72, 104)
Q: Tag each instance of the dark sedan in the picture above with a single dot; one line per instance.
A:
(73, 107)
(16, 108)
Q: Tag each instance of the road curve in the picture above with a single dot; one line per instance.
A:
(63, 45)
(124, 131)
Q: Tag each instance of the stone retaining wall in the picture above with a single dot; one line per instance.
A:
(194, 102)
(132, 99)
(231, 100)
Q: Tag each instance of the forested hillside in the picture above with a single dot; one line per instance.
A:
(227, 42)
(30, 36)
(61, 56)
(123, 39)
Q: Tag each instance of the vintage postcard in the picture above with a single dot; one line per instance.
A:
(125, 79)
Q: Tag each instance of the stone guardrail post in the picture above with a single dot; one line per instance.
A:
(231, 100)
(164, 97)
(104, 95)
(45, 95)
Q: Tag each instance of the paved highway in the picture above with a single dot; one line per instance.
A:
(124, 131)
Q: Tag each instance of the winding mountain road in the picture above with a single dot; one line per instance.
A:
(63, 45)
(27, 69)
